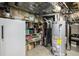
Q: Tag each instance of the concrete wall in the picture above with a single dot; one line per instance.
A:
(75, 29)
(15, 12)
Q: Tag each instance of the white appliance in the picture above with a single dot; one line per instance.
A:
(59, 36)
(12, 37)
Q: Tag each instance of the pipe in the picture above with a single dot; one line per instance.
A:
(65, 4)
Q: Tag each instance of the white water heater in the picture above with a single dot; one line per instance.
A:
(59, 36)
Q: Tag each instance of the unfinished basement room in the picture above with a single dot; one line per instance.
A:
(39, 29)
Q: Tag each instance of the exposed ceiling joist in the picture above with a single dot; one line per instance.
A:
(38, 7)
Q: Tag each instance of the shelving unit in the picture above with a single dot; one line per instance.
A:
(33, 35)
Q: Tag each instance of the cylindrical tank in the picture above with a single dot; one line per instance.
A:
(59, 37)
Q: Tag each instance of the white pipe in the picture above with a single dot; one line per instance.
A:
(65, 4)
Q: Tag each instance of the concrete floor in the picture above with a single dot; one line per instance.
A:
(42, 51)
(74, 51)
(39, 51)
